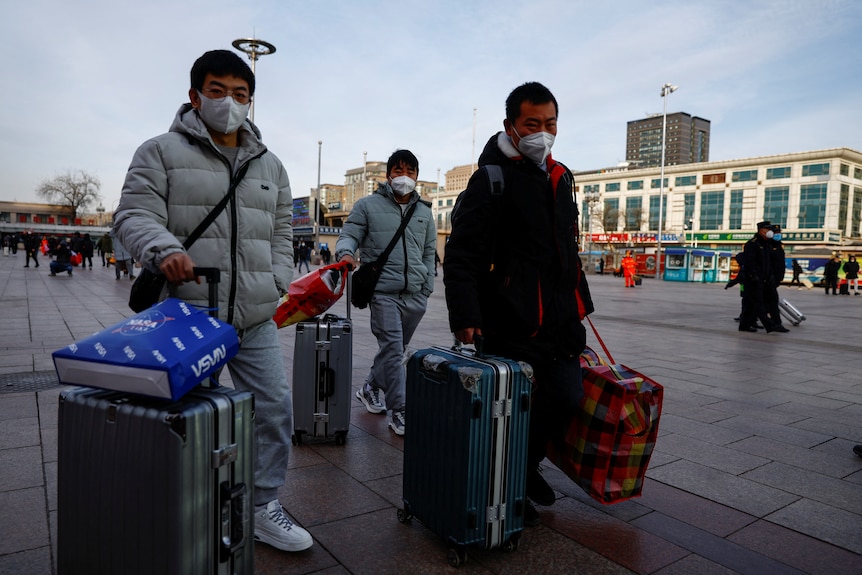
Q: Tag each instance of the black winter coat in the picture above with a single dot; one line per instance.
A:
(511, 265)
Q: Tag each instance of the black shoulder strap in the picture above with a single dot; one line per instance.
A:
(217, 209)
(495, 179)
(385, 255)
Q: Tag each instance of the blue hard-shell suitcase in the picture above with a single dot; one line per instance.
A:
(465, 454)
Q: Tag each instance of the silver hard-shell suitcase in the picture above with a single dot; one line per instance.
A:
(147, 485)
(322, 373)
(154, 486)
(789, 311)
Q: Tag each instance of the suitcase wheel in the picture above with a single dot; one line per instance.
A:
(296, 438)
(341, 438)
(511, 545)
(404, 516)
(456, 556)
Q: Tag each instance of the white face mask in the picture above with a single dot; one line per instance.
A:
(223, 115)
(403, 185)
(769, 234)
(536, 146)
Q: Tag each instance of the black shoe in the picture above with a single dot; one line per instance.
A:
(538, 489)
(531, 516)
(857, 449)
(749, 328)
(779, 328)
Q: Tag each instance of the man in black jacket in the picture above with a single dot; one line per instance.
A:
(759, 256)
(520, 292)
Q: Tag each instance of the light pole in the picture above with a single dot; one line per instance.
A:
(592, 198)
(666, 90)
(317, 203)
(255, 49)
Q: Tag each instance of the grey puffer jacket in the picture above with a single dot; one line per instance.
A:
(172, 184)
(368, 230)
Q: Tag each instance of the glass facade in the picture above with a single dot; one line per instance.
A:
(656, 183)
(777, 173)
(635, 185)
(634, 213)
(815, 170)
(612, 187)
(653, 211)
(735, 222)
(842, 207)
(775, 204)
(856, 214)
(686, 181)
(812, 206)
(744, 176)
(611, 215)
(689, 207)
(711, 210)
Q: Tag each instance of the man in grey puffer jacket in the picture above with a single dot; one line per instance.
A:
(401, 295)
(174, 181)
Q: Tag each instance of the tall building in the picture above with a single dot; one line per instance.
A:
(687, 140)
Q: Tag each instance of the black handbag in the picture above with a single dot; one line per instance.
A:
(364, 279)
(148, 286)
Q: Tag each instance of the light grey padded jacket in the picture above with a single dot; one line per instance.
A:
(175, 179)
(369, 228)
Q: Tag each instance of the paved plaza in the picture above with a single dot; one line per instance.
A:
(753, 470)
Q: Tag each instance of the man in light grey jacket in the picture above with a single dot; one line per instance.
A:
(401, 295)
(174, 181)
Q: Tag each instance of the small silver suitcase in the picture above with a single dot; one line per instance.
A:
(322, 373)
(789, 311)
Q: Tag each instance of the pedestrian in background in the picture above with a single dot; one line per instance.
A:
(851, 274)
(122, 260)
(628, 264)
(407, 278)
(830, 274)
(86, 251)
(31, 248)
(63, 259)
(759, 261)
(105, 245)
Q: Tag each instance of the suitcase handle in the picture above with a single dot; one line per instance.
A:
(213, 277)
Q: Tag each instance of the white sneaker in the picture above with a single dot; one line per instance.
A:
(274, 527)
(371, 399)
(396, 421)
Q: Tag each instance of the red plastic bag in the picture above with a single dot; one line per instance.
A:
(76, 259)
(311, 294)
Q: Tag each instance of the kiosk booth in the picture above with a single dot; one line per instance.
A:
(676, 264)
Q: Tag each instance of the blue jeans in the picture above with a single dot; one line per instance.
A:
(258, 367)
(57, 267)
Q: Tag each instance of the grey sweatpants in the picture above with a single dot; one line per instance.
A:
(258, 367)
(394, 319)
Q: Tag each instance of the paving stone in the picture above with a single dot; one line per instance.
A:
(824, 522)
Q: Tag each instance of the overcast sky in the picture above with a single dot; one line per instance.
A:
(87, 81)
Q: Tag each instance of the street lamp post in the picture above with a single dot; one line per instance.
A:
(101, 211)
(255, 48)
(666, 90)
(317, 202)
(592, 198)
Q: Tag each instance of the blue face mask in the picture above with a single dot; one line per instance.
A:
(776, 236)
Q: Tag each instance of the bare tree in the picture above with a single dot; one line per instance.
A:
(610, 218)
(76, 190)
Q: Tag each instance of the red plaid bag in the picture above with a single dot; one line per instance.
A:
(608, 443)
